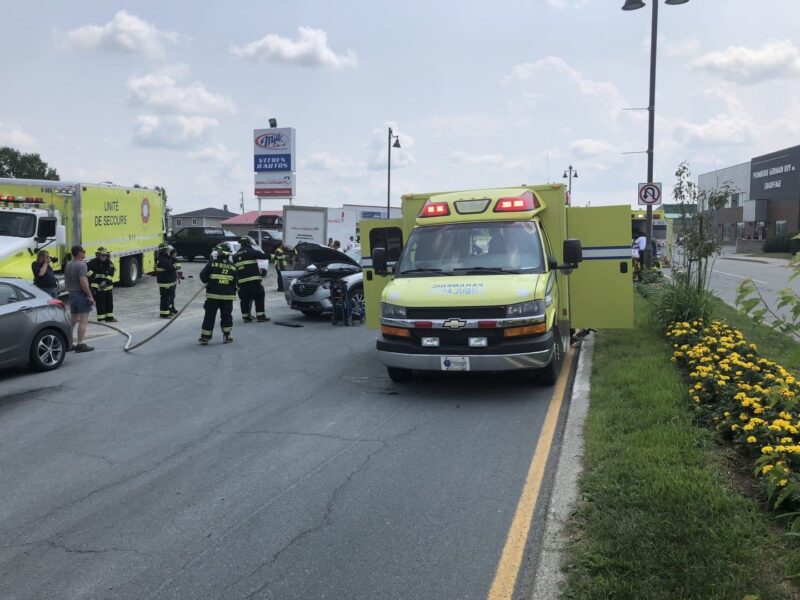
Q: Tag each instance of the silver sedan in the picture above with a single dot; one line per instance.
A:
(34, 328)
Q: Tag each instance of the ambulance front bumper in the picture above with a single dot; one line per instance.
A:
(533, 353)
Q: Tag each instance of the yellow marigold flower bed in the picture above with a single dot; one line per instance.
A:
(750, 400)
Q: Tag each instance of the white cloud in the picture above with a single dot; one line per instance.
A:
(311, 49)
(12, 135)
(776, 60)
(172, 131)
(593, 149)
(684, 47)
(218, 153)
(471, 125)
(488, 160)
(124, 33)
(401, 157)
(723, 129)
(161, 92)
(324, 161)
(543, 70)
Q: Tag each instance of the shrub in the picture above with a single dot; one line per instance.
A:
(782, 243)
(678, 301)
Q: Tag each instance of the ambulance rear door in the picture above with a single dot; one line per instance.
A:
(601, 288)
(378, 233)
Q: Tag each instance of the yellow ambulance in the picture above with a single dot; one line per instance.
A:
(494, 279)
(55, 215)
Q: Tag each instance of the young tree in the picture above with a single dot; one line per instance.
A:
(14, 163)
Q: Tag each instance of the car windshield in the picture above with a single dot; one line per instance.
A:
(472, 249)
(16, 224)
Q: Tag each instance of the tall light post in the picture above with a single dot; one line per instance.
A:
(569, 174)
(651, 108)
(389, 171)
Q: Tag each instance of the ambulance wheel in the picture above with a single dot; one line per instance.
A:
(129, 271)
(549, 374)
(399, 375)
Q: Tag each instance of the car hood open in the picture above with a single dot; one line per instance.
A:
(314, 254)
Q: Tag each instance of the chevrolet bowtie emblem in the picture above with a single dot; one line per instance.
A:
(454, 324)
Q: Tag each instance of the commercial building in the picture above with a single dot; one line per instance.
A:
(765, 198)
(208, 217)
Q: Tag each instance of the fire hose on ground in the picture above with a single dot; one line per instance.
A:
(129, 344)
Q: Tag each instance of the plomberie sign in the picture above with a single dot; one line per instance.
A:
(775, 176)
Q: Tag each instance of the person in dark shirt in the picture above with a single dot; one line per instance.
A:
(43, 276)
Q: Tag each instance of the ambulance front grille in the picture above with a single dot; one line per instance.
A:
(467, 312)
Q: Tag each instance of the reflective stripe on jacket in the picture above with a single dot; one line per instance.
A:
(246, 262)
(220, 279)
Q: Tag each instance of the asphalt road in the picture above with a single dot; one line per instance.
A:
(285, 465)
(769, 274)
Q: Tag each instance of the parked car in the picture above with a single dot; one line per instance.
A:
(199, 241)
(307, 281)
(35, 327)
(263, 263)
(270, 239)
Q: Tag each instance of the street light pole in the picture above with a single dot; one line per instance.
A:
(651, 108)
(569, 174)
(651, 130)
(389, 145)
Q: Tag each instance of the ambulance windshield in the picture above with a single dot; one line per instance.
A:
(16, 224)
(472, 249)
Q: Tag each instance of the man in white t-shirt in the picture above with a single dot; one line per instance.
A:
(641, 244)
(351, 243)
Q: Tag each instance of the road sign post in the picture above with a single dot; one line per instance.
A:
(649, 196)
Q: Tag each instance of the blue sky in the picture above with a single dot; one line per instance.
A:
(482, 94)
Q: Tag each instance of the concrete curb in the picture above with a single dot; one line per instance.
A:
(549, 576)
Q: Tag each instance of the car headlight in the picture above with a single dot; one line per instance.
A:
(326, 285)
(392, 311)
(526, 309)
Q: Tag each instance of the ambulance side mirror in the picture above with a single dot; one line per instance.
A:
(573, 253)
(46, 229)
(379, 261)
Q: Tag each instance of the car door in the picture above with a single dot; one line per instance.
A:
(16, 322)
(601, 288)
(383, 233)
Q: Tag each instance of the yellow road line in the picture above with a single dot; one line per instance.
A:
(505, 577)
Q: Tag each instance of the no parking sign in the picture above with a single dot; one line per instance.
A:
(649, 194)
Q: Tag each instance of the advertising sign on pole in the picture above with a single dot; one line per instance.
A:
(273, 150)
(277, 185)
(649, 194)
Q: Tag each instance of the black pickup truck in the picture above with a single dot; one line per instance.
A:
(199, 241)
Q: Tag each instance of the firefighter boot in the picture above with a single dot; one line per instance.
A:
(227, 338)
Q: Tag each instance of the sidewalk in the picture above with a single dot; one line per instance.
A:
(728, 253)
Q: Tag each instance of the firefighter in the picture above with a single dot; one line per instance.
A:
(248, 277)
(173, 256)
(100, 272)
(166, 277)
(280, 257)
(219, 275)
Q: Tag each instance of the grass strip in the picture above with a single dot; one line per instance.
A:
(659, 517)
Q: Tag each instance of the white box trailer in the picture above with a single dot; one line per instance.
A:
(305, 224)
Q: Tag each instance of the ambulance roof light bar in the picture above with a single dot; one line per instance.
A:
(22, 199)
(524, 202)
(434, 209)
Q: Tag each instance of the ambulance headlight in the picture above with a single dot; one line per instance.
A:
(526, 309)
(392, 311)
